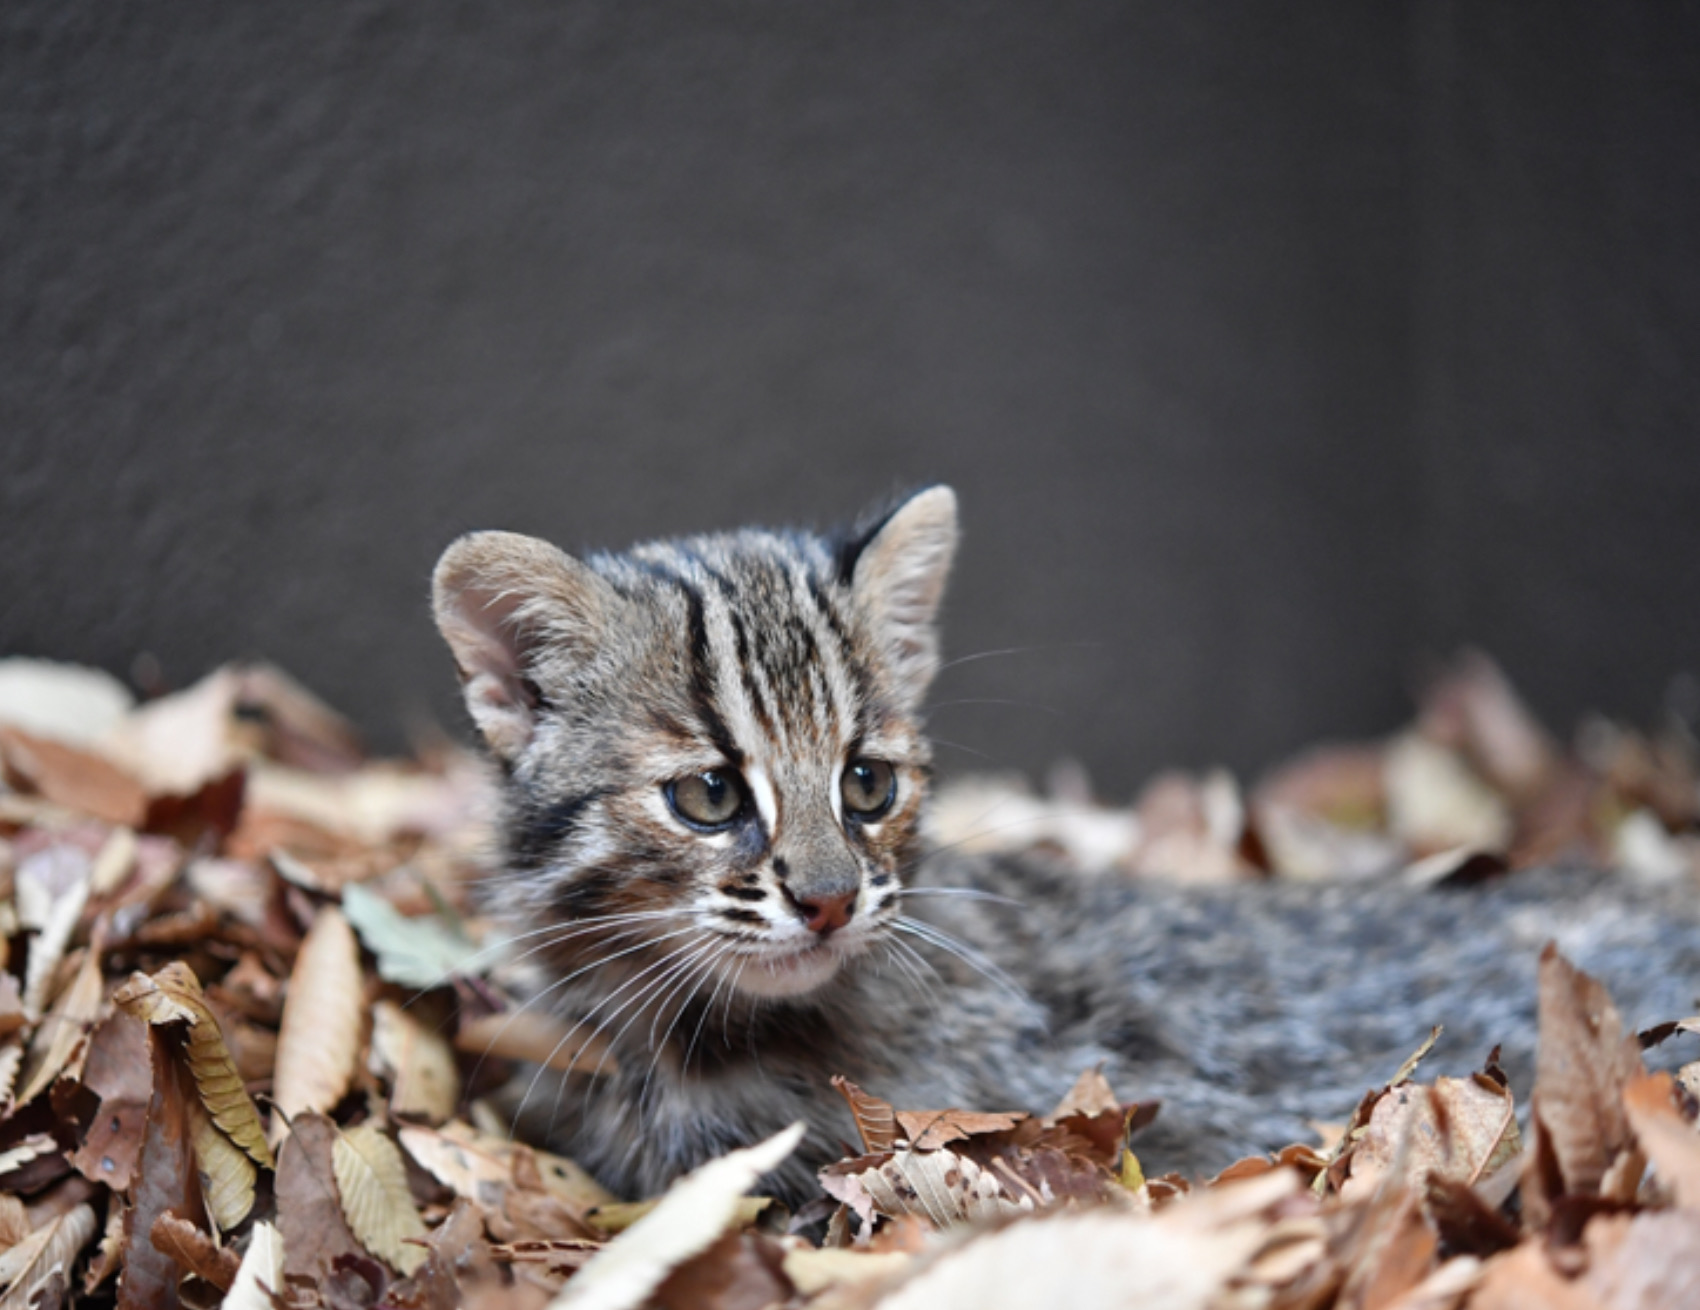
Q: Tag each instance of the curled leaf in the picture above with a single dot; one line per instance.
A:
(173, 996)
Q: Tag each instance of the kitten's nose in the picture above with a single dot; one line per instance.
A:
(824, 914)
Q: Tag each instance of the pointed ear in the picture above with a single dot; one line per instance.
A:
(897, 573)
(513, 609)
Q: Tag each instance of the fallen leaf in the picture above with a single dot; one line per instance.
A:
(45, 1255)
(260, 1276)
(228, 1174)
(74, 777)
(118, 1071)
(1583, 1063)
(173, 997)
(195, 1251)
(417, 1063)
(1436, 802)
(1647, 1261)
(319, 1041)
(64, 1030)
(740, 1271)
(51, 887)
(479, 1167)
(66, 702)
(539, 1038)
(428, 951)
(929, 1129)
(875, 1121)
(1463, 1128)
(371, 1178)
(166, 1182)
(689, 1219)
(1668, 1140)
(309, 1213)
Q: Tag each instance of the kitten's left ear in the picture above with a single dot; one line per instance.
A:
(897, 575)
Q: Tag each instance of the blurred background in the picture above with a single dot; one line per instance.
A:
(1273, 349)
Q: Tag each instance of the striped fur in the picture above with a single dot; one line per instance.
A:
(731, 973)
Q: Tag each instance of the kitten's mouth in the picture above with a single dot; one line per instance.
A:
(789, 972)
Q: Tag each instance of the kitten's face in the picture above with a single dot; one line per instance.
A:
(714, 758)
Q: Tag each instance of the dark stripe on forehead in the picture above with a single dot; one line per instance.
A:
(846, 652)
(702, 677)
(746, 669)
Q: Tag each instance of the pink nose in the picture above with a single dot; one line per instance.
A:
(824, 914)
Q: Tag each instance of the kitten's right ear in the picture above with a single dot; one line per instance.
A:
(515, 610)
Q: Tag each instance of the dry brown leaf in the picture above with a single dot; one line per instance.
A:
(690, 1218)
(1647, 1261)
(309, 1214)
(739, 1270)
(1463, 1128)
(173, 997)
(194, 1250)
(319, 1043)
(117, 1070)
(1524, 1279)
(179, 743)
(416, 1061)
(1583, 1063)
(14, 1222)
(46, 1254)
(537, 1037)
(1667, 1139)
(875, 1121)
(927, 1130)
(371, 1179)
(64, 1030)
(813, 1271)
(1091, 1096)
(74, 777)
(166, 1182)
(479, 1166)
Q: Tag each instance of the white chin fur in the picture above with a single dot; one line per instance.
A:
(788, 975)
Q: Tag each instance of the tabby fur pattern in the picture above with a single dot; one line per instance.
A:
(773, 682)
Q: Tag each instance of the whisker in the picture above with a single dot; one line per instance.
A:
(967, 893)
(562, 982)
(579, 1023)
(962, 951)
(1018, 650)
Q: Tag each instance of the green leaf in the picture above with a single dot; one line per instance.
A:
(422, 952)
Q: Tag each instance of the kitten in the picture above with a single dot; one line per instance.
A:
(714, 773)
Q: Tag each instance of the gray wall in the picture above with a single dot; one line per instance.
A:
(1270, 348)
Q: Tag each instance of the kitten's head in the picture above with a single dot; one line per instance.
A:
(712, 746)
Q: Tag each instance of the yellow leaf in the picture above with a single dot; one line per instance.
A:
(371, 1179)
(319, 1039)
(227, 1174)
(171, 996)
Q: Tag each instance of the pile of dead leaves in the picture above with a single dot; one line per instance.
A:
(1474, 787)
(246, 1029)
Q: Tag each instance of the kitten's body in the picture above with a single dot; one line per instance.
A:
(732, 967)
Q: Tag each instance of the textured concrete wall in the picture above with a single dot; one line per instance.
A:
(1269, 347)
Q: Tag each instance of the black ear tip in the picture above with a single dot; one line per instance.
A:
(855, 539)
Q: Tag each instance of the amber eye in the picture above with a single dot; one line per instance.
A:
(710, 799)
(868, 787)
